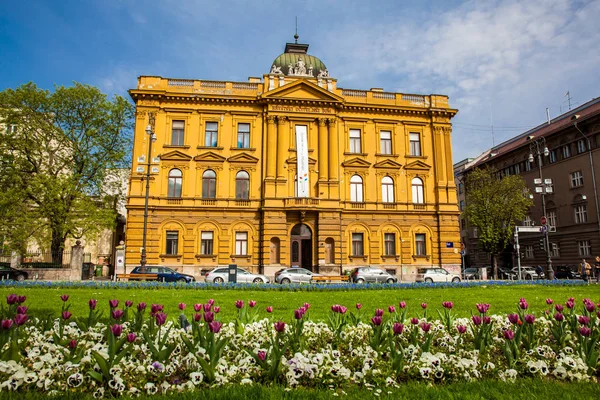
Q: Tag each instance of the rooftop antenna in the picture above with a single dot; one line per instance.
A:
(296, 35)
(548, 115)
(492, 124)
(568, 96)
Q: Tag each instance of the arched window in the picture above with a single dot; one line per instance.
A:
(174, 189)
(356, 189)
(242, 185)
(417, 191)
(209, 184)
(387, 190)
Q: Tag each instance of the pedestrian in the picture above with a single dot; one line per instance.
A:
(540, 271)
(585, 269)
(597, 268)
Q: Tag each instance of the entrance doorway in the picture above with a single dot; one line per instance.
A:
(301, 246)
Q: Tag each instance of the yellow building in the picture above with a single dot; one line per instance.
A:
(290, 169)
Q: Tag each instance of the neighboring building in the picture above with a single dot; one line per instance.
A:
(571, 200)
(292, 170)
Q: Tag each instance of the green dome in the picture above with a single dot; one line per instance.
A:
(295, 56)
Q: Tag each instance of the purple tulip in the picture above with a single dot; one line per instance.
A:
(590, 307)
(262, 355)
(358, 306)
(585, 331)
(343, 310)
(216, 309)
(476, 320)
(392, 309)
(21, 309)
(306, 306)
(252, 303)
(128, 303)
(141, 306)
(549, 302)
(335, 308)
(113, 303)
(425, 326)
(117, 314)
(513, 318)
(483, 307)
(116, 329)
(211, 302)
(182, 306)
(64, 297)
(215, 326)
(402, 304)
(509, 334)
(66, 315)
(423, 306)
(208, 306)
(197, 317)
(559, 317)
(198, 307)
(21, 299)
(559, 307)
(487, 320)
(131, 337)
(414, 321)
(299, 313)
(461, 329)
(530, 319)
(598, 314)
(161, 318)
(448, 305)
(239, 304)
(7, 324)
(73, 344)
(523, 305)
(376, 320)
(279, 326)
(209, 317)
(379, 312)
(92, 303)
(570, 304)
(20, 319)
(583, 320)
(155, 308)
(11, 299)
(398, 328)
(270, 309)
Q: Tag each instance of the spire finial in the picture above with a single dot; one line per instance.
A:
(296, 35)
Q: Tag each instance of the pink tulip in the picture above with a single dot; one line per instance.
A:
(131, 337)
(306, 306)
(239, 304)
(215, 326)
(530, 319)
(414, 321)
(299, 313)
(73, 344)
(392, 309)
(461, 329)
(398, 328)
(262, 355)
(570, 304)
(198, 307)
(549, 301)
(376, 320)
(141, 306)
(216, 309)
(483, 307)
(509, 334)
(208, 306)
(116, 329)
(379, 312)
(11, 299)
(583, 320)
(92, 304)
(423, 306)
(6, 324)
(448, 305)
(20, 319)
(559, 317)
(559, 307)
(209, 317)
(128, 303)
(279, 326)
(585, 331)
(252, 303)
(402, 304)
(182, 306)
(66, 315)
(358, 306)
(476, 320)
(487, 320)
(513, 318)
(21, 299)
(113, 303)
(523, 305)
(117, 314)
(211, 302)
(21, 309)
(64, 297)
(161, 318)
(270, 309)
(343, 310)
(197, 317)
(425, 326)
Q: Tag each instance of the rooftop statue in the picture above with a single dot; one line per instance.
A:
(275, 70)
(323, 73)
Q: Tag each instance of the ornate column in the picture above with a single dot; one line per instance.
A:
(283, 144)
(439, 156)
(322, 146)
(333, 150)
(271, 147)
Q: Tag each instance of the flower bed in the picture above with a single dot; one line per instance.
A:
(137, 349)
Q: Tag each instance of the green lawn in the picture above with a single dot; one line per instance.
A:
(503, 299)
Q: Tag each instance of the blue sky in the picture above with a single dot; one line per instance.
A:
(499, 61)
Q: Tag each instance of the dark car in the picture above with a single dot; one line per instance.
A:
(164, 274)
(565, 272)
(7, 272)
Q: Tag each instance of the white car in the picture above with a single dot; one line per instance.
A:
(436, 275)
(220, 275)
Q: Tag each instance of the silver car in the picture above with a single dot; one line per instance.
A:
(220, 275)
(294, 275)
(372, 275)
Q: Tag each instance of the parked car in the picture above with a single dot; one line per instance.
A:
(220, 275)
(528, 273)
(7, 272)
(566, 272)
(436, 275)
(164, 274)
(471, 273)
(505, 273)
(294, 275)
(371, 275)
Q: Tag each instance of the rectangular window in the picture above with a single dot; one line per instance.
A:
(211, 134)
(475, 233)
(389, 244)
(177, 133)
(386, 142)
(172, 242)
(461, 188)
(585, 248)
(243, 136)
(420, 247)
(580, 214)
(552, 218)
(462, 224)
(517, 169)
(555, 250)
(241, 243)
(552, 156)
(576, 179)
(206, 243)
(355, 146)
(581, 147)
(566, 151)
(357, 244)
(527, 166)
(529, 251)
(461, 205)
(415, 144)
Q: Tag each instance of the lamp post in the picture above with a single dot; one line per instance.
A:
(151, 138)
(538, 147)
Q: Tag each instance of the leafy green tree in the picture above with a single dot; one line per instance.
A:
(57, 152)
(494, 206)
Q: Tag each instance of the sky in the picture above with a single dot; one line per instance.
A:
(502, 63)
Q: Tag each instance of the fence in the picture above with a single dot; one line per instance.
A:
(46, 259)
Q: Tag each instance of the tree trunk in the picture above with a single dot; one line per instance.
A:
(57, 247)
(494, 265)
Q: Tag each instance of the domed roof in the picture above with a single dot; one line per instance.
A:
(295, 61)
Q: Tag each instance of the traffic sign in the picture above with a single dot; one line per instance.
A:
(529, 228)
(543, 220)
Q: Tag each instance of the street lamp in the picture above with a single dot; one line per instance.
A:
(589, 147)
(539, 147)
(152, 138)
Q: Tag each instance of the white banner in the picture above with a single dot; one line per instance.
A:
(302, 160)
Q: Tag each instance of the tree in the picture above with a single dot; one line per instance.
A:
(56, 154)
(494, 205)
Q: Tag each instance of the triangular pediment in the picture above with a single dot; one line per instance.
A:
(210, 157)
(303, 90)
(389, 164)
(175, 155)
(243, 158)
(420, 165)
(356, 163)
(294, 161)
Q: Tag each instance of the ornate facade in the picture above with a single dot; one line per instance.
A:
(289, 169)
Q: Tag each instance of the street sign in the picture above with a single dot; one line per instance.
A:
(537, 181)
(543, 220)
(548, 181)
(545, 228)
(449, 245)
(529, 228)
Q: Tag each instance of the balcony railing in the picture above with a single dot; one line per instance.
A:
(174, 201)
(301, 201)
(419, 207)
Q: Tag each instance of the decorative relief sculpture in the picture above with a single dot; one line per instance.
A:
(299, 69)
(323, 73)
(275, 70)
